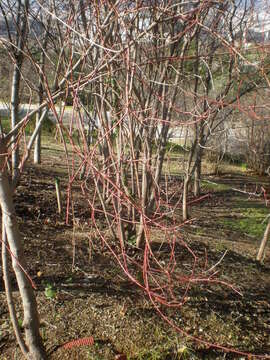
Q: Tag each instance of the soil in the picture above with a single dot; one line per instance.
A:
(82, 292)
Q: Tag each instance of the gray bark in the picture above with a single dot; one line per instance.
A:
(37, 148)
(15, 116)
(185, 195)
(31, 319)
(140, 237)
(190, 168)
(8, 290)
(261, 251)
(21, 23)
(197, 177)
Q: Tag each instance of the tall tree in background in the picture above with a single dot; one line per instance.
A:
(43, 43)
(17, 15)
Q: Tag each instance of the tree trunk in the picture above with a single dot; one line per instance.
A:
(89, 142)
(37, 149)
(31, 319)
(197, 177)
(146, 180)
(190, 168)
(140, 236)
(9, 297)
(15, 117)
(261, 251)
(21, 23)
(185, 195)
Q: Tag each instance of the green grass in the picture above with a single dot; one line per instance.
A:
(206, 185)
(175, 148)
(47, 127)
(243, 166)
(251, 221)
(5, 122)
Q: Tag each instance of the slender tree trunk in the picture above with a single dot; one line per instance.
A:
(190, 168)
(8, 290)
(261, 251)
(197, 177)
(37, 149)
(119, 179)
(89, 142)
(140, 236)
(31, 319)
(161, 151)
(15, 117)
(21, 23)
(185, 198)
(193, 166)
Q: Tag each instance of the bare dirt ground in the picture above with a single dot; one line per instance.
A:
(81, 291)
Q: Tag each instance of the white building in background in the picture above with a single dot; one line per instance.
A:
(253, 27)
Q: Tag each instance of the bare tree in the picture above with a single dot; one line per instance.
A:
(217, 84)
(20, 18)
(43, 50)
(261, 252)
(32, 348)
(127, 69)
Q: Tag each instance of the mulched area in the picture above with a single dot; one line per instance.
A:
(82, 292)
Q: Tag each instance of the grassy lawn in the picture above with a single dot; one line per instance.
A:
(251, 219)
(48, 126)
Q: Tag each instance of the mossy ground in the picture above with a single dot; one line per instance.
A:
(249, 220)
